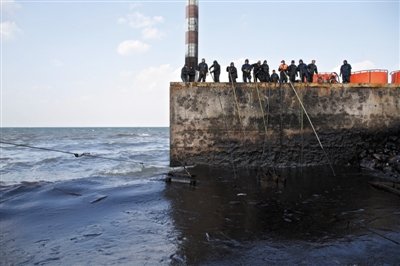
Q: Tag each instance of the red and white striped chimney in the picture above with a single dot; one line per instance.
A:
(192, 33)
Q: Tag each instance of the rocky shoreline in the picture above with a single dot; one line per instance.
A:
(382, 158)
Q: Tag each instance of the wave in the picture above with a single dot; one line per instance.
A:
(123, 135)
(11, 191)
(50, 160)
(134, 172)
(19, 165)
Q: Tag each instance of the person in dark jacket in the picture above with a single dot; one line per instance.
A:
(303, 71)
(345, 72)
(192, 74)
(216, 70)
(265, 72)
(274, 77)
(312, 68)
(256, 71)
(246, 69)
(283, 72)
(292, 71)
(203, 70)
(185, 74)
(232, 72)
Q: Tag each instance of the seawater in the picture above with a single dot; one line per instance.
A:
(56, 209)
(143, 152)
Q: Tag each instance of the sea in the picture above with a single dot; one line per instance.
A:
(99, 196)
(127, 154)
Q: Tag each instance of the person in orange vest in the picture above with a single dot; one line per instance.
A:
(283, 72)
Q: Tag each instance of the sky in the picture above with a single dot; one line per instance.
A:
(109, 63)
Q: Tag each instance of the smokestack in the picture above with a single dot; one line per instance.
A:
(192, 33)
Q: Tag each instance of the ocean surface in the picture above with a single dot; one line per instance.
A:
(112, 206)
(129, 154)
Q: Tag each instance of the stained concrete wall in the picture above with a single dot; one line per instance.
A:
(263, 124)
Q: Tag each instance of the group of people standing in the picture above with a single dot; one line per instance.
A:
(304, 71)
(261, 72)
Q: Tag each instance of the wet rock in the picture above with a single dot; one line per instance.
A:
(381, 155)
(363, 154)
(177, 260)
(387, 169)
(287, 220)
(368, 163)
(394, 160)
(377, 156)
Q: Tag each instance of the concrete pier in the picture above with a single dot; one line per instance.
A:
(263, 124)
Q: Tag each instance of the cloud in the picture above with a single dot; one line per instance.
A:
(146, 24)
(9, 7)
(152, 33)
(363, 65)
(138, 21)
(156, 78)
(9, 30)
(130, 47)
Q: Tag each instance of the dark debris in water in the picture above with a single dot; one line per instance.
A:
(307, 206)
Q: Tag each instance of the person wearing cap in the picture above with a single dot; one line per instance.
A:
(292, 71)
(345, 72)
(246, 69)
(203, 70)
(283, 72)
(303, 71)
(274, 77)
(216, 70)
(232, 72)
(312, 68)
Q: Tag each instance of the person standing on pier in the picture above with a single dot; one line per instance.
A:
(256, 71)
(192, 74)
(216, 70)
(265, 72)
(283, 72)
(203, 70)
(246, 69)
(312, 68)
(274, 77)
(303, 71)
(185, 74)
(345, 72)
(232, 72)
(292, 71)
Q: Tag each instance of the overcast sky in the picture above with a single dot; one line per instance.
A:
(109, 63)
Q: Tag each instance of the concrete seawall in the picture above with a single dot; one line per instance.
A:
(263, 124)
